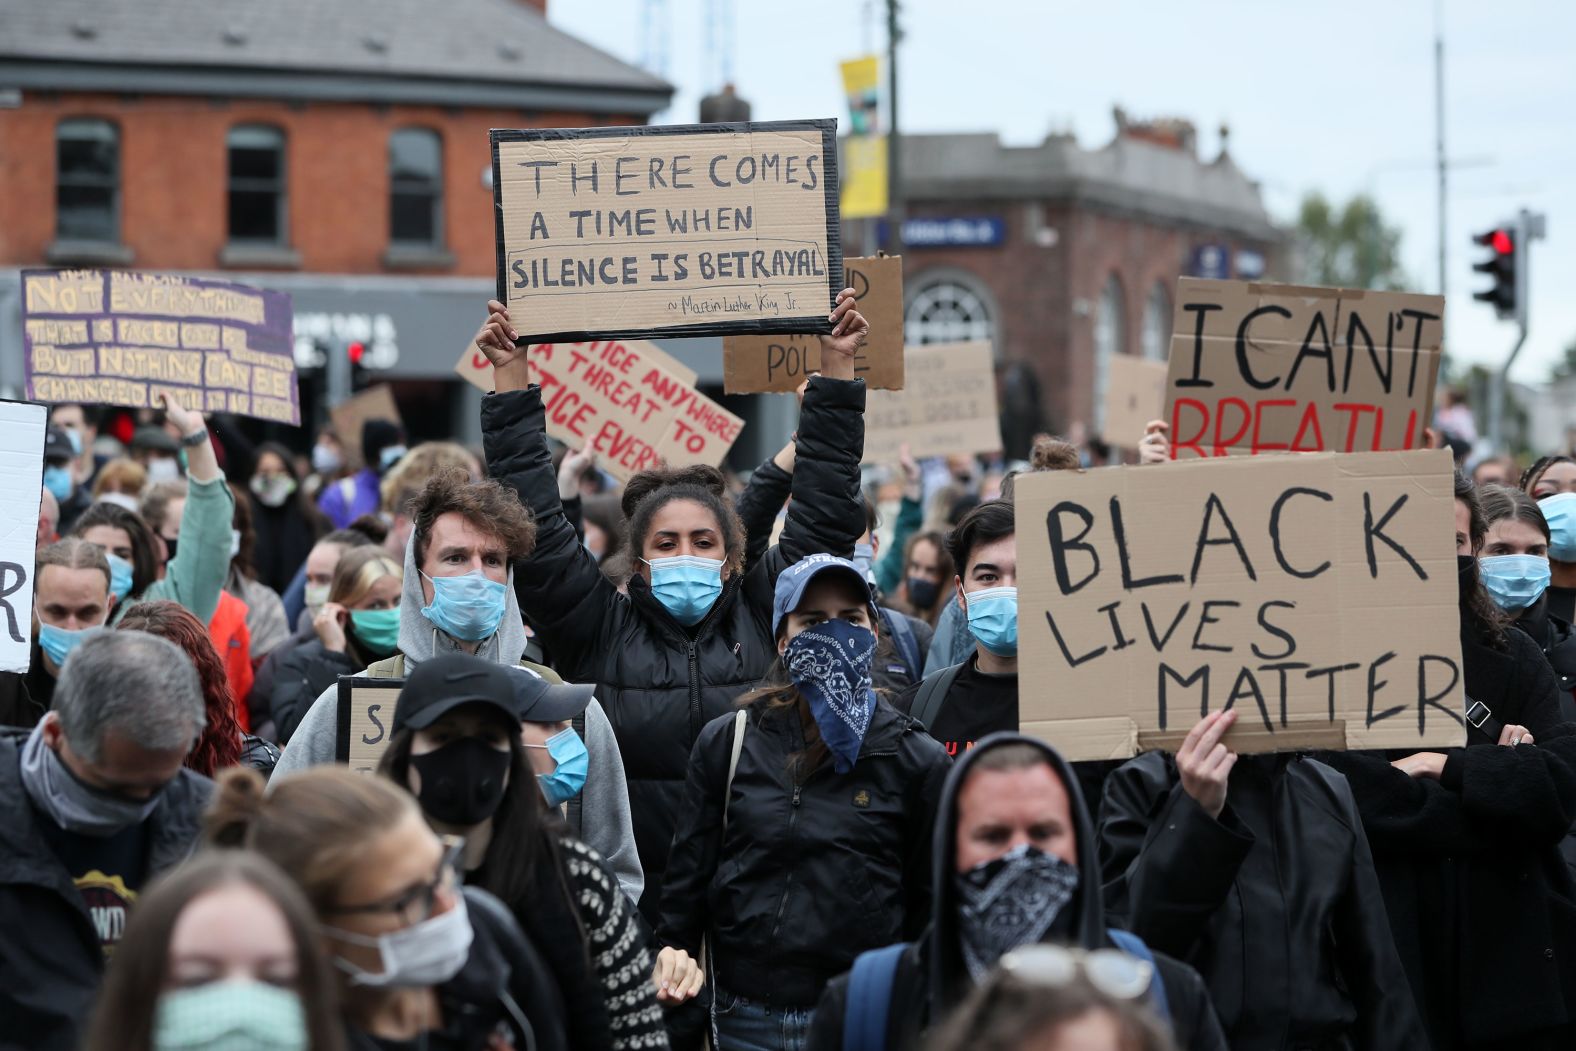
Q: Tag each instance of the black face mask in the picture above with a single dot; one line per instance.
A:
(463, 782)
(1466, 574)
(923, 593)
(169, 546)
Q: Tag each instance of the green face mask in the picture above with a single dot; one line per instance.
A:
(230, 1016)
(378, 628)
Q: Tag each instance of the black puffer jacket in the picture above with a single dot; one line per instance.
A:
(807, 875)
(658, 681)
(1275, 902)
(302, 676)
(932, 979)
(1479, 900)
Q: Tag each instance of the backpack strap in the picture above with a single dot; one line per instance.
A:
(903, 641)
(1481, 719)
(933, 693)
(869, 1007)
(1133, 945)
(573, 815)
(741, 719)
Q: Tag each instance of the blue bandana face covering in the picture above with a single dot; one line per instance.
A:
(120, 574)
(686, 585)
(1559, 511)
(569, 776)
(830, 665)
(1514, 582)
(993, 619)
(468, 607)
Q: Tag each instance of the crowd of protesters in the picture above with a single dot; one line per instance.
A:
(702, 761)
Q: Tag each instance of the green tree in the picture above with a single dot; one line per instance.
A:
(1566, 366)
(1348, 246)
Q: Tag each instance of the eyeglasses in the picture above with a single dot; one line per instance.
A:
(1114, 973)
(424, 895)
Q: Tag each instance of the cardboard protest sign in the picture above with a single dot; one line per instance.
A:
(1257, 367)
(778, 364)
(1315, 594)
(21, 477)
(618, 397)
(365, 717)
(1135, 393)
(374, 403)
(947, 405)
(685, 230)
(475, 369)
(115, 337)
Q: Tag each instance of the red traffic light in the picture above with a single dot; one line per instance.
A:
(354, 351)
(1500, 241)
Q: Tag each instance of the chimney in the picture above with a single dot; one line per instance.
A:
(725, 107)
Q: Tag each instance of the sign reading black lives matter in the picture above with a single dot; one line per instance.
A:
(1315, 594)
(686, 230)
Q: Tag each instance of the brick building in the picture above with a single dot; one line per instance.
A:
(1063, 256)
(296, 144)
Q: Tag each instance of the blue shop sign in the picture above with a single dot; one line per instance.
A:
(978, 231)
(1211, 261)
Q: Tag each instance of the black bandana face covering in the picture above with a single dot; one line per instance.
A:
(1009, 902)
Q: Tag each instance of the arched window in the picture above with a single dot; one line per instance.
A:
(87, 180)
(416, 187)
(1157, 324)
(1110, 339)
(257, 184)
(946, 311)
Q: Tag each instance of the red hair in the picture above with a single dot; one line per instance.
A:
(219, 746)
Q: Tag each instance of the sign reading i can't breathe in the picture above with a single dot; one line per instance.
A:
(116, 337)
(1260, 368)
(1314, 594)
(667, 231)
(21, 470)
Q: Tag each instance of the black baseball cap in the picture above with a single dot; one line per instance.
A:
(538, 701)
(155, 439)
(57, 445)
(436, 687)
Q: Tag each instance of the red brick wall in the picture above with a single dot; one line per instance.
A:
(173, 170)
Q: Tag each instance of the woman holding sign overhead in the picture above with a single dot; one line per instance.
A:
(694, 631)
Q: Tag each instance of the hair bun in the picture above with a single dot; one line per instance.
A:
(1053, 454)
(645, 483)
(237, 803)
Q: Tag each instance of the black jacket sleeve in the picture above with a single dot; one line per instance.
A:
(1533, 685)
(1167, 866)
(826, 514)
(560, 588)
(697, 840)
(826, 1025)
(299, 681)
(757, 508)
(531, 984)
(1193, 1020)
(917, 874)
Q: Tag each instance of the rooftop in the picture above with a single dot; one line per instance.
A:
(457, 52)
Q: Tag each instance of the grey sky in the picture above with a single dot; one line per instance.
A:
(1335, 96)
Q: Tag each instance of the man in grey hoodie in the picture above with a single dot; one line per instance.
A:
(458, 596)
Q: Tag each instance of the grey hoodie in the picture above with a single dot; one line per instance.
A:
(606, 825)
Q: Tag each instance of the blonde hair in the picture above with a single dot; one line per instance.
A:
(358, 570)
(423, 463)
(121, 475)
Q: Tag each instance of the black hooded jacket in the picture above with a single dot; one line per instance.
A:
(808, 872)
(658, 681)
(1275, 901)
(932, 978)
(1479, 899)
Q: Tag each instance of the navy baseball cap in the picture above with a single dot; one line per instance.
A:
(792, 581)
(538, 701)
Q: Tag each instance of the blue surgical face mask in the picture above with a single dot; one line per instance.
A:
(569, 776)
(865, 560)
(120, 574)
(1559, 511)
(390, 456)
(993, 619)
(686, 585)
(57, 643)
(57, 479)
(468, 607)
(1514, 582)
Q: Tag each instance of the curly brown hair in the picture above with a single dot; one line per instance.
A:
(650, 491)
(486, 505)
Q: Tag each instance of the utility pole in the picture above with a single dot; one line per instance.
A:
(1439, 128)
(894, 137)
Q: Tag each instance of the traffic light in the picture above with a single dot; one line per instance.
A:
(1504, 243)
(355, 351)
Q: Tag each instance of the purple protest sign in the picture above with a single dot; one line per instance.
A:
(122, 337)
